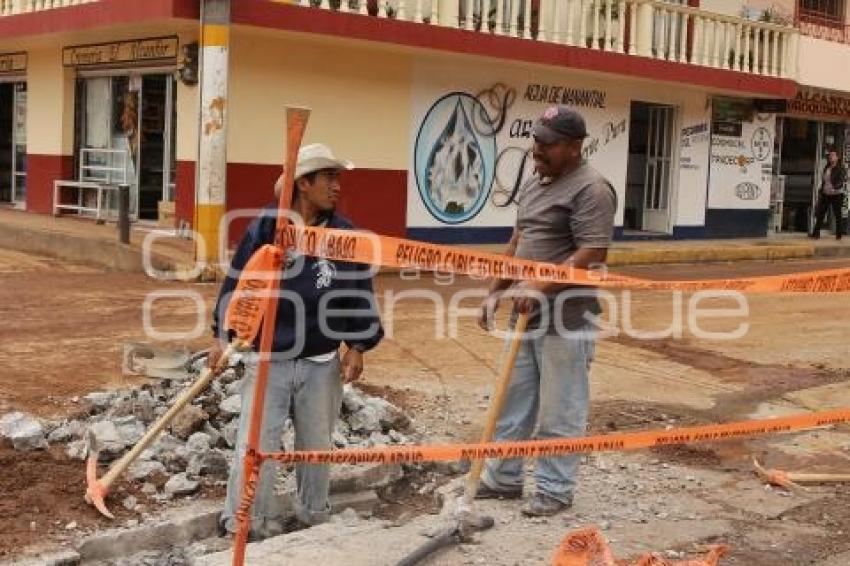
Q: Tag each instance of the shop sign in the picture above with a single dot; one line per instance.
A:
(742, 164)
(13, 62)
(732, 109)
(728, 129)
(820, 104)
(135, 51)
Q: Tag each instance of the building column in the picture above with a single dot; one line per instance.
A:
(50, 126)
(644, 29)
(211, 185)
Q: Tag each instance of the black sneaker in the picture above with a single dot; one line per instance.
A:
(487, 492)
(544, 506)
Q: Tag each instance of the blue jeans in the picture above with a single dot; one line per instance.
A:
(313, 391)
(550, 388)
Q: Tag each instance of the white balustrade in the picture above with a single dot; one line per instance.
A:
(644, 28)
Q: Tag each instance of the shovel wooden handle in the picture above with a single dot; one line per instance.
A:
(496, 405)
(184, 399)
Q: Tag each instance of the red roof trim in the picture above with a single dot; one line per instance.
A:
(96, 15)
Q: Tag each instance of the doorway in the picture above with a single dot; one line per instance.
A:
(803, 156)
(125, 134)
(13, 143)
(649, 170)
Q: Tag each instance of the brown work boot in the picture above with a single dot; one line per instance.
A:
(544, 506)
(487, 492)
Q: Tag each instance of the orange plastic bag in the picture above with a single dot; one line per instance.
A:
(588, 547)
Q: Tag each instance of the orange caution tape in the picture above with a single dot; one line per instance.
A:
(588, 547)
(361, 247)
(249, 301)
(555, 446)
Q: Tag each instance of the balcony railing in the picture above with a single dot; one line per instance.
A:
(645, 28)
(10, 7)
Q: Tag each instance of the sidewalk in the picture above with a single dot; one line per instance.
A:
(83, 241)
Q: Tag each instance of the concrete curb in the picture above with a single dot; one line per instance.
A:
(704, 254)
(114, 255)
(181, 526)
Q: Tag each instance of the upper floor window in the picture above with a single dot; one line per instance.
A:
(822, 11)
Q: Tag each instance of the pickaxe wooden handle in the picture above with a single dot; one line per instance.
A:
(97, 489)
(790, 480)
(496, 406)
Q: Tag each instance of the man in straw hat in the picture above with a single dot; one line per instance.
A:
(324, 304)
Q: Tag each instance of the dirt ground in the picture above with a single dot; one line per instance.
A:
(64, 327)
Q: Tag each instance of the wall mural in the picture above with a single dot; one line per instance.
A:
(473, 149)
(454, 160)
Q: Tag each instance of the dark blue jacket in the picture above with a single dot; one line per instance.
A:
(306, 282)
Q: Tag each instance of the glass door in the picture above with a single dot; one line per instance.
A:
(659, 158)
(19, 145)
(156, 150)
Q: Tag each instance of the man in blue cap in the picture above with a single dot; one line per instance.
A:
(565, 216)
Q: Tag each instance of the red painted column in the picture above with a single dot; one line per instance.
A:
(42, 171)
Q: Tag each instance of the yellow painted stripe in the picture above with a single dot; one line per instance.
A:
(215, 35)
(207, 225)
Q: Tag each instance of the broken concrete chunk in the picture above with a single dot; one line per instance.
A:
(366, 420)
(379, 439)
(109, 441)
(216, 439)
(130, 503)
(168, 450)
(25, 431)
(77, 450)
(346, 478)
(198, 442)
(211, 463)
(180, 484)
(130, 429)
(144, 469)
(144, 406)
(190, 419)
(231, 406)
(68, 432)
(391, 417)
(352, 399)
(99, 401)
(229, 432)
(364, 503)
(234, 388)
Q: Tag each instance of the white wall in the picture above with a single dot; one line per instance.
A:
(824, 64)
(606, 147)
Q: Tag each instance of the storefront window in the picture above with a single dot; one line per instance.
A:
(126, 129)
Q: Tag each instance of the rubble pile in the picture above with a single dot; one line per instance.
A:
(198, 447)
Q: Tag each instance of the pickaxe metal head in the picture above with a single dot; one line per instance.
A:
(95, 490)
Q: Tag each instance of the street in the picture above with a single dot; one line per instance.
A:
(65, 326)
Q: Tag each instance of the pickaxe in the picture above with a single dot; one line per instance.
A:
(791, 480)
(97, 489)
